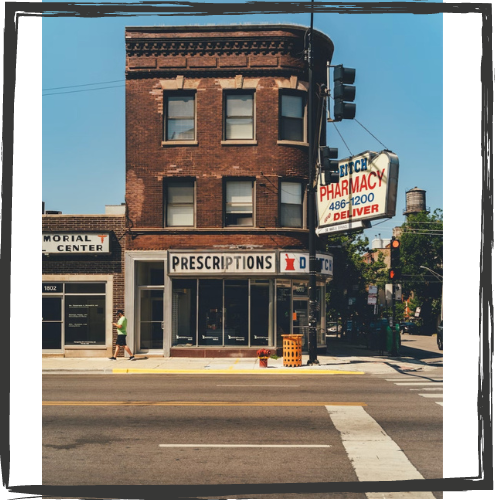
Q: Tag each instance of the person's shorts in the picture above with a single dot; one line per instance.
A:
(121, 340)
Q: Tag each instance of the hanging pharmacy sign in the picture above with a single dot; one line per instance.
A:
(366, 191)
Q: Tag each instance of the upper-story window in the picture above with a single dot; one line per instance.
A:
(292, 117)
(180, 116)
(291, 204)
(239, 120)
(179, 202)
(239, 203)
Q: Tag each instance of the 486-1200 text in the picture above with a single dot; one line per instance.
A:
(355, 200)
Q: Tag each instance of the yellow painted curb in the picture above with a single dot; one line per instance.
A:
(238, 372)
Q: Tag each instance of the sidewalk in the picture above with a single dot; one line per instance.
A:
(341, 359)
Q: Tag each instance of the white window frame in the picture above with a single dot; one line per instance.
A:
(172, 181)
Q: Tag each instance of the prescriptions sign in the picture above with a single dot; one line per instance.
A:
(367, 190)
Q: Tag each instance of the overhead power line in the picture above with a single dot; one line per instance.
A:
(83, 85)
(84, 90)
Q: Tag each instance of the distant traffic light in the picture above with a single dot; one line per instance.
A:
(344, 93)
(395, 270)
(329, 165)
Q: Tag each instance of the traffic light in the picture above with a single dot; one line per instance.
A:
(395, 270)
(329, 165)
(344, 93)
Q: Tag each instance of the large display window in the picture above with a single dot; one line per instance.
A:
(73, 314)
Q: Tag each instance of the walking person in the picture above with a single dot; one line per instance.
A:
(121, 339)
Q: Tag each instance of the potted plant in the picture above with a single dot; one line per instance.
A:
(263, 355)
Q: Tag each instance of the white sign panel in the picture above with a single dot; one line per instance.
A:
(216, 263)
(372, 290)
(366, 190)
(298, 262)
(372, 300)
(75, 242)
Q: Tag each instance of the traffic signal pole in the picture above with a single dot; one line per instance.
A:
(311, 206)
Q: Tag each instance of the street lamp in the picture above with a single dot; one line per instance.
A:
(440, 278)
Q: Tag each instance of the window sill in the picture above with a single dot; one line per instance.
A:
(250, 142)
(178, 143)
(292, 143)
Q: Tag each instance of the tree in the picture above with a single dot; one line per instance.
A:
(422, 247)
(352, 274)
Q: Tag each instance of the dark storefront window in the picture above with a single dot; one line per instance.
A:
(85, 320)
(51, 322)
(210, 313)
(283, 304)
(184, 294)
(236, 307)
(259, 316)
(150, 273)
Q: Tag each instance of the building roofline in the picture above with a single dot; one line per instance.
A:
(227, 28)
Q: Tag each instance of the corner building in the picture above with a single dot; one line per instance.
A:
(217, 169)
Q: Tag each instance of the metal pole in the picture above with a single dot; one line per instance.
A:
(311, 205)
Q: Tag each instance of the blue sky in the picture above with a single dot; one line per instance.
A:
(399, 81)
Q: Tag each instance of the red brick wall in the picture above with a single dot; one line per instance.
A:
(88, 264)
(208, 55)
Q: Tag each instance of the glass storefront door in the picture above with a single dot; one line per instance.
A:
(151, 319)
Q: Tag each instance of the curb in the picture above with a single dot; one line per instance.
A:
(235, 372)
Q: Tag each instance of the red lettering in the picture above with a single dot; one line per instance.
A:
(336, 216)
(380, 176)
(337, 191)
(369, 183)
(367, 210)
(343, 215)
(374, 209)
(355, 185)
(345, 187)
(363, 186)
(322, 192)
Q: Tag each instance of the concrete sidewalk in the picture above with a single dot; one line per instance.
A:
(341, 359)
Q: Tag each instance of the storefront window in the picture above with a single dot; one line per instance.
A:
(283, 305)
(210, 313)
(259, 316)
(236, 309)
(184, 312)
(51, 322)
(150, 273)
(84, 319)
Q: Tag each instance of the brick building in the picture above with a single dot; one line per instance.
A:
(82, 282)
(216, 259)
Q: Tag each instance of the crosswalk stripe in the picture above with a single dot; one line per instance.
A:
(418, 383)
(431, 395)
(373, 454)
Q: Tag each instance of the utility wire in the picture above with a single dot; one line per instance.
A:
(84, 90)
(82, 85)
(385, 147)
(336, 128)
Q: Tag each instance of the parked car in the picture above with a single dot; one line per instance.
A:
(440, 335)
(407, 327)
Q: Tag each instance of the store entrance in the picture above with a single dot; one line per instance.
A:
(151, 319)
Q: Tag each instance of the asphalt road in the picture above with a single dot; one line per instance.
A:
(175, 430)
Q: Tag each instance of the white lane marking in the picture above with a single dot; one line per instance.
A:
(431, 395)
(244, 446)
(409, 379)
(373, 454)
(439, 403)
(427, 389)
(255, 385)
(418, 383)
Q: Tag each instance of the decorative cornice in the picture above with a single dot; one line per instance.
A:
(271, 45)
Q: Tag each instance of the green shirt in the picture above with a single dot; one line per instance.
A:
(122, 324)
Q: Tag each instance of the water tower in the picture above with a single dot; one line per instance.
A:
(415, 201)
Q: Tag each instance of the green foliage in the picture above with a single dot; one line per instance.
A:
(352, 275)
(422, 245)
